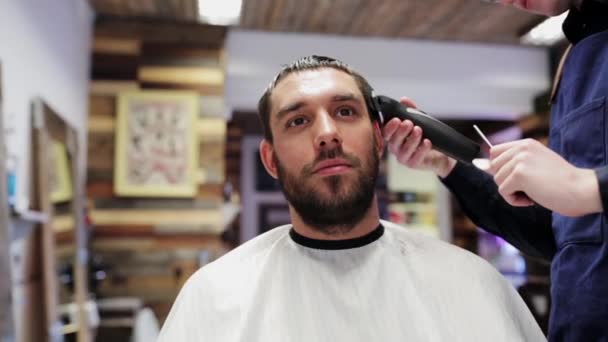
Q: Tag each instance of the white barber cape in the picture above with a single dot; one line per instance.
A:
(392, 285)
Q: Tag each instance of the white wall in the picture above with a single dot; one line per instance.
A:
(445, 79)
(44, 51)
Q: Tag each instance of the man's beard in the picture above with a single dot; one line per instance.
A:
(339, 213)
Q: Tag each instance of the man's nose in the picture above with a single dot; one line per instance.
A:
(327, 135)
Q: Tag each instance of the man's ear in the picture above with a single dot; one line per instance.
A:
(266, 154)
(379, 138)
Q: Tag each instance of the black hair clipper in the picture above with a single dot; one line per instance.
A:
(443, 137)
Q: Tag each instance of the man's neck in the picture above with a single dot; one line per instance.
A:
(370, 221)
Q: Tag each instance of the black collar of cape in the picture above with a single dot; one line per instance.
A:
(337, 244)
(590, 19)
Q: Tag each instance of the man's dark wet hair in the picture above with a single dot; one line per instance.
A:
(310, 63)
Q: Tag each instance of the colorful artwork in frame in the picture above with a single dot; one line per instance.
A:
(60, 180)
(156, 144)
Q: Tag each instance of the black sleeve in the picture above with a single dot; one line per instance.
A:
(526, 228)
(602, 179)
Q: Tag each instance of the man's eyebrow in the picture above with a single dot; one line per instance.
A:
(345, 97)
(289, 108)
(295, 106)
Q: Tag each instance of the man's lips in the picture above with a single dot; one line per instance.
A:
(332, 166)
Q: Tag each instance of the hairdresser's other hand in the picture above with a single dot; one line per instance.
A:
(405, 142)
(545, 177)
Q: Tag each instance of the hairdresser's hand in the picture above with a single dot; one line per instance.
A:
(406, 143)
(545, 177)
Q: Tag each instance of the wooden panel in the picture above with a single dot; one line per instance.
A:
(102, 105)
(171, 51)
(110, 87)
(99, 175)
(101, 124)
(100, 155)
(132, 244)
(135, 284)
(196, 217)
(202, 89)
(100, 189)
(212, 129)
(116, 46)
(63, 223)
(123, 231)
(140, 244)
(212, 106)
(210, 192)
(114, 67)
(158, 31)
(174, 204)
(233, 147)
(181, 75)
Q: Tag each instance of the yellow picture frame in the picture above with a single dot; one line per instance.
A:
(156, 144)
(60, 180)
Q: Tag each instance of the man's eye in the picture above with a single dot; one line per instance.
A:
(346, 111)
(296, 122)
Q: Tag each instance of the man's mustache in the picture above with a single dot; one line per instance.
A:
(336, 152)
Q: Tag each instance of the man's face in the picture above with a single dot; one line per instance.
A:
(545, 7)
(326, 149)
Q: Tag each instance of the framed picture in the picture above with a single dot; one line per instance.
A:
(156, 144)
(60, 181)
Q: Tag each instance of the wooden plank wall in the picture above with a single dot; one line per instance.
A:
(150, 246)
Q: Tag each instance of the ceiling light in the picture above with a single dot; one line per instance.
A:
(548, 32)
(219, 12)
